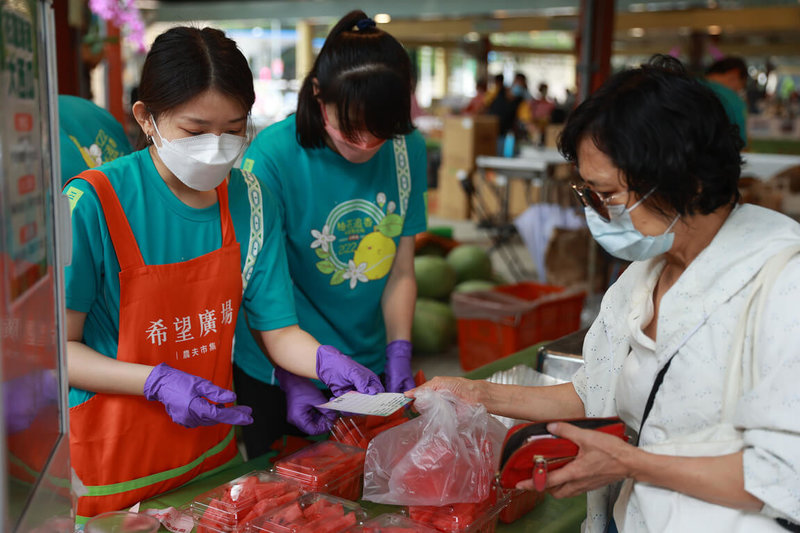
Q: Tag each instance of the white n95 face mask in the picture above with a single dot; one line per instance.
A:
(201, 162)
(619, 237)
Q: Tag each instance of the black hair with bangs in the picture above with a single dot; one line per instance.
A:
(666, 132)
(184, 62)
(366, 74)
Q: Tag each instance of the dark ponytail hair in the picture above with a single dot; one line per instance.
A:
(366, 74)
(185, 62)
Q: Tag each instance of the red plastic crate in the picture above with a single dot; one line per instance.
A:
(494, 324)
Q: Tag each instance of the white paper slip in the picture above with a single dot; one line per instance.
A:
(382, 404)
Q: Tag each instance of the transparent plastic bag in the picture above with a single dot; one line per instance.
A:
(449, 454)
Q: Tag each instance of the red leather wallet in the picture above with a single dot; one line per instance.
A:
(529, 450)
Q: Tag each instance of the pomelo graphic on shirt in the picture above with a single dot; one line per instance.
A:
(356, 243)
(377, 252)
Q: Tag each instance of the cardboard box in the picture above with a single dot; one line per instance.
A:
(786, 186)
(551, 135)
(465, 137)
(451, 200)
(764, 193)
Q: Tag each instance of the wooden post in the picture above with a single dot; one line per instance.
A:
(113, 56)
(68, 61)
(304, 55)
(593, 43)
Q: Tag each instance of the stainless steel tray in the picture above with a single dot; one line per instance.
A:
(562, 357)
(521, 375)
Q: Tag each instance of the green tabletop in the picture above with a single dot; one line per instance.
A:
(527, 356)
(550, 516)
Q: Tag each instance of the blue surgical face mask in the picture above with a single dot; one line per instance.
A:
(517, 91)
(619, 237)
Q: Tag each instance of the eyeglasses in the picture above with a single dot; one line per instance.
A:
(589, 198)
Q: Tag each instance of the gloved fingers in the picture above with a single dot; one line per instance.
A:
(213, 392)
(312, 420)
(238, 415)
(407, 384)
(400, 385)
(205, 413)
(361, 380)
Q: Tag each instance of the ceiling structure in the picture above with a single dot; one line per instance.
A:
(744, 27)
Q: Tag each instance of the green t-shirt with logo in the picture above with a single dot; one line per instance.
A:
(342, 222)
(89, 136)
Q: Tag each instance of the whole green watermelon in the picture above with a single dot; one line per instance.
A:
(470, 262)
(435, 277)
(434, 326)
(474, 285)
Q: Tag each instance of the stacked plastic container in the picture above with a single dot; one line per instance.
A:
(231, 507)
(391, 523)
(311, 513)
(329, 467)
(358, 430)
(478, 517)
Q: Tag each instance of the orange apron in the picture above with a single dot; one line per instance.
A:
(124, 448)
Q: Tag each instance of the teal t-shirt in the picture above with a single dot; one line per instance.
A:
(89, 136)
(167, 231)
(733, 104)
(342, 222)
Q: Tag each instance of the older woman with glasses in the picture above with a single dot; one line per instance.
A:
(696, 345)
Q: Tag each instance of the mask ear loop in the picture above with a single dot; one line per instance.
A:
(642, 199)
(160, 137)
(671, 224)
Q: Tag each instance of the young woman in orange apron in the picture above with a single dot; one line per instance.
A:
(156, 283)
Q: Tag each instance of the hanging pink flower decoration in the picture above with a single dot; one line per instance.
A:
(125, 15)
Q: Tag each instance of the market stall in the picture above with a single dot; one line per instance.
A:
(550, 515)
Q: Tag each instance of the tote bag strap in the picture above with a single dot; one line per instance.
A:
(755, 301)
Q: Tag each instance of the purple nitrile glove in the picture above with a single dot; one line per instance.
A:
(191, 401)
(25, 396)
(302, 397)
(398, 366)
(341, 374)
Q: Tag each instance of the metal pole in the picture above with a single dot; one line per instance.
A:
(585, 67)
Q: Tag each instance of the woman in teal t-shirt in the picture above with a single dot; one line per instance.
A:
(89, 136)
(349, 173)
(157, 279)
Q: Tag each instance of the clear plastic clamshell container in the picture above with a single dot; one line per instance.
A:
(359, 430)
(311, 513)
(229, 508)
(478, 517)
(329, 467)
(391, 523)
